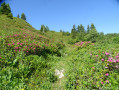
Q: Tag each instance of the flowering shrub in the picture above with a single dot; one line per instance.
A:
(83, 44)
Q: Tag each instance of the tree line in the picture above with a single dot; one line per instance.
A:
(79, 33)
(6, 10)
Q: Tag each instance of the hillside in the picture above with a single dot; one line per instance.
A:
(30, 59)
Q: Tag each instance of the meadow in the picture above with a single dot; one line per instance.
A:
(29, 58)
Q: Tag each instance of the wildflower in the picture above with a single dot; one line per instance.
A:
(0, 57)
(91, 54)
(102, 52)
(96, 55)
(22, 89)
(18, 43)
(13, 43)
(9, 44)
(101, 82)
(107, 74)
(114, 61)
(27, 51)
(107, 81)
(109, 60)
(106, 53)
(102, 59)
(117, 60)
(93, 67)
(117, 56)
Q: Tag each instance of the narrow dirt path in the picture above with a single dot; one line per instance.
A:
(62, 67)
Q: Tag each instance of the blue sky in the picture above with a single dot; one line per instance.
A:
(62, 14)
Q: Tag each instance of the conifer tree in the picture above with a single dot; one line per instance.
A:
(88, 29)
(47, 28)
(23, 16)
(18, 16)
(73, 32)
(5, 9)
(42, 28)
(92, 27)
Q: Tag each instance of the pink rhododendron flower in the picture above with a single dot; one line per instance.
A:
(117, 60)
(27, 51)
(117, 56)
(107, 74)
(18, 43)
(96, 55)
(107, 81)
(114, 61)
(13, 43)
(101, 82)
(106, 53)
(102, 59)
(109, 60)
(9, 44)
(93, 67)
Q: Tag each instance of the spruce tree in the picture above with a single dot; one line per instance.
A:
(92, 27)
(88, 29)
(73, 32)
(23, 16)
(42, 28)
(18, 16)
(5, 9)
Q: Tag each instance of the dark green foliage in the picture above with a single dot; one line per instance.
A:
(81, 29)
(92, 36)
(88, 29)
(5, 9)
(60, 30)
(47, 28)
(73, 32)
(23, 16)
(65, 33)
(10, 15)
(92, 26)
(81, 32)
(18, 16)
(44, 29)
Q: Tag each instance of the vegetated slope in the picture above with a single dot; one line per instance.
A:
(25, 55)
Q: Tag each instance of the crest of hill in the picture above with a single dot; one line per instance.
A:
(10, 26)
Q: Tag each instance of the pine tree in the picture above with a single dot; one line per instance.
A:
(81, 32)
(5, 9)
(47, 28)
(81, 28)
(42, 28)
(18, 16)
(93, 34)
(88, 29)
(73, 32)
(23, 16)
(92, 27)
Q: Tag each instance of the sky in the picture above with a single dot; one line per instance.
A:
(62, 14)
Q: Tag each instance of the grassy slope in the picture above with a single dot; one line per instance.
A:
(20, 44)
(76, 61)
